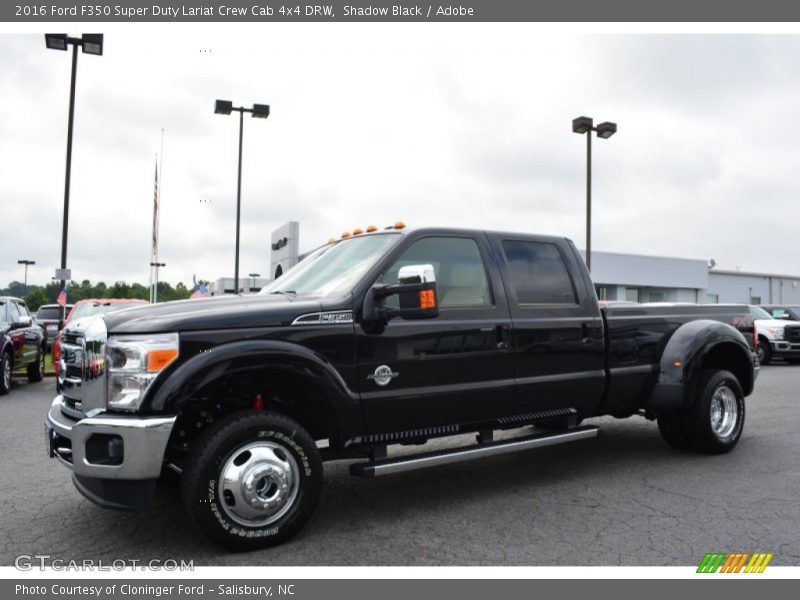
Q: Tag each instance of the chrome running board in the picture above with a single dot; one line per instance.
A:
(400, 464)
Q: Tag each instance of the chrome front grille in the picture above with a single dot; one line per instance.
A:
(81, 370)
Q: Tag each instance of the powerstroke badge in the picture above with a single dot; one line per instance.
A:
(383, 375)
(325, 318)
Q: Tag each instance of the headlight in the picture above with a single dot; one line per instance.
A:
(134, 361)
(777, 332)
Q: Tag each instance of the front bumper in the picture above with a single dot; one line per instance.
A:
(786, 349)
(108, 446)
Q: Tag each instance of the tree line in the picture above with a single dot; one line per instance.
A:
(36, 295)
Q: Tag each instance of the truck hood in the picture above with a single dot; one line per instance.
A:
(767, 323)
(223, 312)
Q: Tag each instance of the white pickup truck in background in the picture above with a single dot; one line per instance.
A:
(777, 338)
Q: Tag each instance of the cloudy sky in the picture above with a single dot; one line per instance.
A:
(457, 125)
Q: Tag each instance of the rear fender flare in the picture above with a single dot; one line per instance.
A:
(684, 354)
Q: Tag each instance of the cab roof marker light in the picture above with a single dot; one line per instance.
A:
(358, 231)
(345, 234)
(371, 228)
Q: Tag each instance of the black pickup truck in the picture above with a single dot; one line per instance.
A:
(391, 337)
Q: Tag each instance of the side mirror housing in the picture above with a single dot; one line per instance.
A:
(22, 322)
(416, 291)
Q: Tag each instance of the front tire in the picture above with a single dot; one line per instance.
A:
(36, 370)
(764, 351)
(5, 373)
(714, 420)
(254, 481)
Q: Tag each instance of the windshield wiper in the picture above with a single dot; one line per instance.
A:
(285, 293)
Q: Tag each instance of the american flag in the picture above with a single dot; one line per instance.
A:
(62, 297)
(200, 292)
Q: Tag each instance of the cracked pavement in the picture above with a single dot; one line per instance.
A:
(625, 498)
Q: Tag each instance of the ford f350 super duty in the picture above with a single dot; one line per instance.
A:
(389, 337)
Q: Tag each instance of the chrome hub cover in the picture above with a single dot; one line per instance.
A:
(724, 412)
(259, 484)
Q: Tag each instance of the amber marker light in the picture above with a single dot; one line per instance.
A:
(427, 299)
(157, 360)
(358, 231)
(371, 228)
(399, 225)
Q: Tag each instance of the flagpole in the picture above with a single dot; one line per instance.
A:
(152, 244)
(158, 213)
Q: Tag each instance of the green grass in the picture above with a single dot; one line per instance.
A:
(49, 369)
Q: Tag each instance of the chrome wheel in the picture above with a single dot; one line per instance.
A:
(259, 484)
(724, 412)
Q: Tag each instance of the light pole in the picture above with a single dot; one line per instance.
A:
(155, 286)
(90, 43)
(604, 130)
(259, 111)
(27, 263)
(254, 275)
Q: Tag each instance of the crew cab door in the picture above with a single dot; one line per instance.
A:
(558, 330)
(19, 333)
(451, 369)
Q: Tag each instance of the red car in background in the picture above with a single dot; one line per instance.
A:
(90, 308)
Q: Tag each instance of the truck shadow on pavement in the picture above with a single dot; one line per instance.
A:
(420, 512)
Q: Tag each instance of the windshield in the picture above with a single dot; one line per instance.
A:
(759, 313)
(96, 308)
(49, 312)
(334, 269)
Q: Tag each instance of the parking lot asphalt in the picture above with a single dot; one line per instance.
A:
(625, 498)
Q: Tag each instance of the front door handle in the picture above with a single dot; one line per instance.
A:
(586, 334)
(503, 337)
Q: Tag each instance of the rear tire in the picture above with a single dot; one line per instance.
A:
(670, 425)
(36, 370)
(714, 420)
(254, 481)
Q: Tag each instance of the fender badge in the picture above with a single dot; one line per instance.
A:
(383, 375)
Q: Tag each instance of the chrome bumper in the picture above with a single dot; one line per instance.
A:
(144, 441)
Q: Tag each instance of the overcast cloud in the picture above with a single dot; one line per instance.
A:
(456, 125)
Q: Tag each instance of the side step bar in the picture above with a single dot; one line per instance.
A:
(413, 462)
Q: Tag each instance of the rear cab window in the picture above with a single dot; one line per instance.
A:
(538, 273)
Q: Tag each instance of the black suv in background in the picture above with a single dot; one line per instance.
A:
(22, 343)
(49, 317)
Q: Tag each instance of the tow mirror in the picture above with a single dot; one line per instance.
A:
(416, 291)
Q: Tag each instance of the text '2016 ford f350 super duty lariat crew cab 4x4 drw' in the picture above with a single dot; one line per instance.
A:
(391, 337)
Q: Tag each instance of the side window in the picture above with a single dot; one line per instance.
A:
(13, 312)
(460, 275)
(538, 273)
(23, 310)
